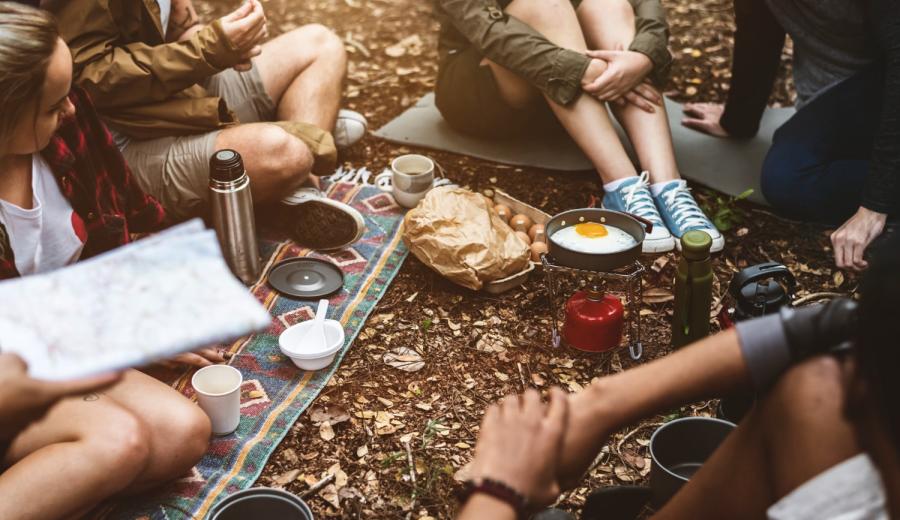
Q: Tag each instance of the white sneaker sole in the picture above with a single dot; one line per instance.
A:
(658, 245)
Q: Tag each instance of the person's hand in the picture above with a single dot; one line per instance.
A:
(519, 444)
(851, 240)
(24, 400)
(200, 358)
(643, 96)
(246, 28)
(625, 70)
(705, 118)
(594, 70)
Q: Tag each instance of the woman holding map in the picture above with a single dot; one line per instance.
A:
(67, 194)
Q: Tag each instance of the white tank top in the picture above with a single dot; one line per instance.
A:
(48, 236)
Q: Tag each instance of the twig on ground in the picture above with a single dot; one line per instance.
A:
(315, 488)
(521, 377)
(412, 478)
(817, 296)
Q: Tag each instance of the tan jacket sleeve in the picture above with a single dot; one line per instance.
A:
(507, 41)
(121, 75)
(652, 36)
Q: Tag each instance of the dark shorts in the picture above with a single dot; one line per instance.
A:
(468, 97)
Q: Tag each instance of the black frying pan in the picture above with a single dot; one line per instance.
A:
(632, 225)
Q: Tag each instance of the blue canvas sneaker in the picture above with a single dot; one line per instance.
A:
(682, 214)
(633, 196)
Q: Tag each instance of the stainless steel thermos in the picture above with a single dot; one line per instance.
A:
(232, 214)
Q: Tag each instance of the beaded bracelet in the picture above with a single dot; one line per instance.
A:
(498, 490)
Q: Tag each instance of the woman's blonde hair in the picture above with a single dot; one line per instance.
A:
(28, 39)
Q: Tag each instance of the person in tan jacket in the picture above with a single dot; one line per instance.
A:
(174, 90)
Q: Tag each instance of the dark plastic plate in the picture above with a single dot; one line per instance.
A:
(306, 278)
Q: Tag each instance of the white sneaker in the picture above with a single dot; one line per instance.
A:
(349, 128)
(320, 223)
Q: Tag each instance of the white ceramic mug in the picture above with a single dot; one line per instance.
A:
(412, 176)
(218, 389)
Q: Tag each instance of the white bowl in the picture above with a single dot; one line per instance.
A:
(290, 344)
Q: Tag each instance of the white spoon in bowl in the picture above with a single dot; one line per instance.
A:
(314, 340)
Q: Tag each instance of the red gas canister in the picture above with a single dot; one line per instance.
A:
(593, 321)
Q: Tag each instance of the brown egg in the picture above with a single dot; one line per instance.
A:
(520, 222)
(537, 233)
(524, 236)
(537, 249)
(503, 212)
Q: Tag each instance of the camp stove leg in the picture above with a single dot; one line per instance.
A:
(555, 338)
(636, 349)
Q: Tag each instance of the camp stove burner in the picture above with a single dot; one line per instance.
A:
(626, 283)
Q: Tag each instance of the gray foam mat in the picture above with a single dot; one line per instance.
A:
(729, 166)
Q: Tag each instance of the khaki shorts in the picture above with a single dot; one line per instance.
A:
(175, 170)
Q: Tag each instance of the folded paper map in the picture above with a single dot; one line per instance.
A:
(154, 298)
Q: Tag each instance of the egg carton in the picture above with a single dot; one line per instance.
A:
(538, 217)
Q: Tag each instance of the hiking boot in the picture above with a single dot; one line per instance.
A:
(682, 214)
(349, 128)
(320, 223)
(633, 196)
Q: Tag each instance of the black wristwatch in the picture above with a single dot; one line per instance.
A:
(498, 490)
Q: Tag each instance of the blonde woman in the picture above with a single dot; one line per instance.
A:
(66, 194)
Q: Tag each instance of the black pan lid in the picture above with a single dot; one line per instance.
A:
(306, 278)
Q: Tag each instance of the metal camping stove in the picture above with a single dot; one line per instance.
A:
(625, 282)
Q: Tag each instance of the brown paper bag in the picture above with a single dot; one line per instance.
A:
(454, 232)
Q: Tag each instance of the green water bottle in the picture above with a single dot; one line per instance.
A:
(693, 290)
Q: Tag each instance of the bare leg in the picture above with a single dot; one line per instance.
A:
(276, 161)
(609, 25)
(88, 449)
(587, 119)
(178, 429)
(795, 433)
(303, 72)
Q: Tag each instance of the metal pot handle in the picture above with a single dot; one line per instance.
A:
(647, 224)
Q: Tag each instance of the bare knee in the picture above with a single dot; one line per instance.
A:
(324, 42)
(814, 385)
(284, 159)
(121, 445)
(538, 13)
(612, 22)
(187, 433)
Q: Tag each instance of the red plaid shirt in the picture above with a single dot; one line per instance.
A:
(93, 176)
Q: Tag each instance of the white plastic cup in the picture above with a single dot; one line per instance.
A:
(218, 389)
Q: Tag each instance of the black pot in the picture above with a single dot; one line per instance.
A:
(678, 449)
(261, 503)
(591, 261)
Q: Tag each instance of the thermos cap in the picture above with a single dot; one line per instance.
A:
(696, 245)
(226, 166)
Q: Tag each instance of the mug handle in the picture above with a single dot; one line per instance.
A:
(384, 181)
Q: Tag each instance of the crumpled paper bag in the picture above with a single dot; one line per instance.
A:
(454, 232)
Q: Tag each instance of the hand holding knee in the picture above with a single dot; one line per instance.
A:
(625, 70)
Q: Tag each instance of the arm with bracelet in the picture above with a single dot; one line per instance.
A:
(751, 356)
(519, 442)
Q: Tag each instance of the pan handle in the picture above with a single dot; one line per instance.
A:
(647, 224)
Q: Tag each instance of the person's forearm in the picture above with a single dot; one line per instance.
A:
(709, 368)
(481, 506)
(758, 41)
